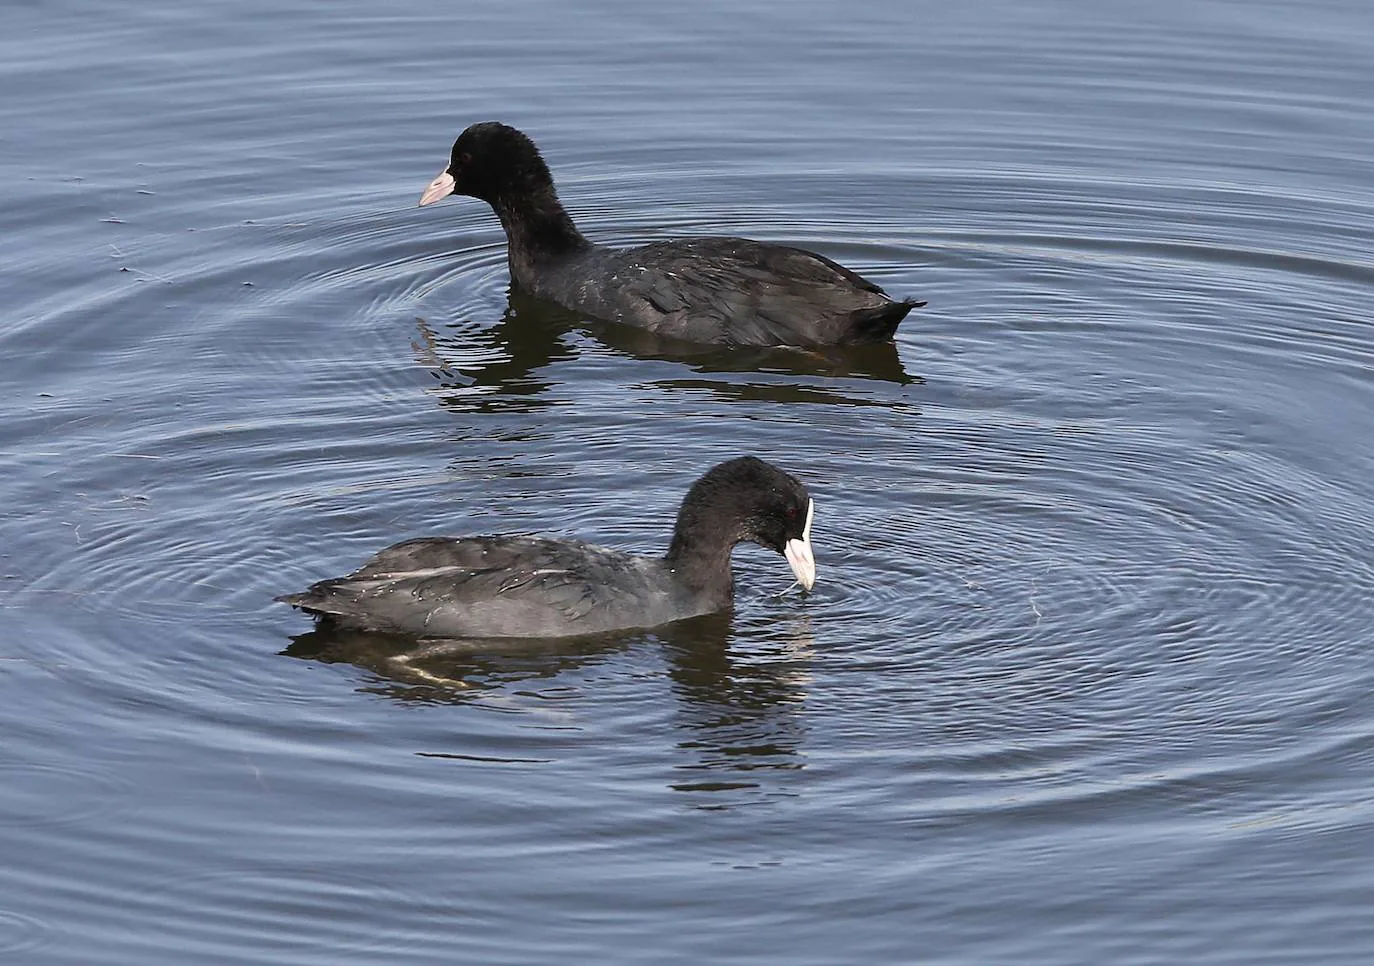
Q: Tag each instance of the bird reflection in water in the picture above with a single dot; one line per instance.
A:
(739, 696)
(506, 367)
(739, 706)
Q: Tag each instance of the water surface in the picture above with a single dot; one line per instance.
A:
(1085, 678)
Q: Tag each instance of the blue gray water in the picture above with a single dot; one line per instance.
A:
(1087, 676)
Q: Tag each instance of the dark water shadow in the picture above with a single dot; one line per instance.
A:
(506, 366)
(736, 713)
(739, 710)
(498, 368)
(451, 671)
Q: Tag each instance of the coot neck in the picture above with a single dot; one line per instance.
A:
(538, 230)
(700, 557)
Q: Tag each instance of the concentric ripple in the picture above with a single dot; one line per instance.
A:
(1085, 676)
(20, 934)
(281, 914)
(42, 794)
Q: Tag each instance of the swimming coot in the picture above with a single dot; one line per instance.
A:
(523, 586)
(720, 290)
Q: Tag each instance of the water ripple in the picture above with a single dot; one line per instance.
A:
(21, 934)
(1090, 630)
(205, 915)
(59, 793)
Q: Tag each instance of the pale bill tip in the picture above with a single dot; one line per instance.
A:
(798, 552)
(440, 187)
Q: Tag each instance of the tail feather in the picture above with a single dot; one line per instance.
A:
(880, 324)
(323, 598)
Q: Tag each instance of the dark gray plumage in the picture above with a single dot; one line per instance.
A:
(720, 290)
(524, 586)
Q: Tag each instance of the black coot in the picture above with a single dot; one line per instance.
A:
(522, 586)
(721, 290)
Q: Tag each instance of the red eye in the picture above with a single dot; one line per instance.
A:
(464, 158)
(791, 513)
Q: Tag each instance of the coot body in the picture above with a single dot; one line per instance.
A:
(733, 291)
(528, 587)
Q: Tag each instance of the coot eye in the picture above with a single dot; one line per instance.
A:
(464, 158)
(791, 513)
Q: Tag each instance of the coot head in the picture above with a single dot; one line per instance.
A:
(491, 161)
(746, 499)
